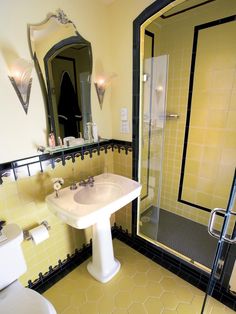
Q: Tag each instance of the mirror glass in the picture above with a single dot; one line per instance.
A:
(63, 60)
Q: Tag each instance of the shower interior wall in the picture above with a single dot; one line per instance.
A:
(211, 152)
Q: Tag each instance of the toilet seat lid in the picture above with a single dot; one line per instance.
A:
(17, 299)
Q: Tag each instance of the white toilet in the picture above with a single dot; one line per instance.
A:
(14, 298)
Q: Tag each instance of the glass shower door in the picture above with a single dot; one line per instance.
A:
(226, 236)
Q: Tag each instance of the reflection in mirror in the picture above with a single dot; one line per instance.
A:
(63, 60)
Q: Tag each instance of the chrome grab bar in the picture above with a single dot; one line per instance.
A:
(215, 233)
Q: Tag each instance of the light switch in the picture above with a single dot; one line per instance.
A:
(124, 114)
(124, 127)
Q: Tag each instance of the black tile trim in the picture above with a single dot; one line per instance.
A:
(163, 16)
(189, 105)
(56, 273)
(45, 159)
(152, 36)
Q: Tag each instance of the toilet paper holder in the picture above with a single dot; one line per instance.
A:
(27, 235)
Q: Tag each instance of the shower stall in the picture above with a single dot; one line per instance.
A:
(187, 128)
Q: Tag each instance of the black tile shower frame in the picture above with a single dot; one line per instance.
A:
(194, 276)
(45, 159)
(152, 36)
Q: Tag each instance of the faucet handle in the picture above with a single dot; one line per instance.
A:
(82, 183)
(2, 223)
(73, 186)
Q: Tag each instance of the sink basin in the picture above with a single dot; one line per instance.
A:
(85, 206)
(92, 206)
(100, 193)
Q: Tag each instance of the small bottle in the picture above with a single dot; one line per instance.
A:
(51, 140)
(59, 141)
(89, 131)
(95, 132)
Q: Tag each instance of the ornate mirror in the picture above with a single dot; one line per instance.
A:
(63, 60)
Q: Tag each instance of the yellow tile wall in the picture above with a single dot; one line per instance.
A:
(211, 171)
(122, 164)
(22, 202)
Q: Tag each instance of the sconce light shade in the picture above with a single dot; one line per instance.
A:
(20, 77)
(101, 84)
(100, 88)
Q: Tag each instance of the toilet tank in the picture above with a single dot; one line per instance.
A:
(12, 262)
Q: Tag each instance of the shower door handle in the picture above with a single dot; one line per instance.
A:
(216, 233)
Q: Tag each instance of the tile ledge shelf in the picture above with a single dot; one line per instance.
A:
(38, 163)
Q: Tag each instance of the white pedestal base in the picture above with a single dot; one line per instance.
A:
(103, 266)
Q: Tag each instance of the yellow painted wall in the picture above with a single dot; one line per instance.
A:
(122, 13)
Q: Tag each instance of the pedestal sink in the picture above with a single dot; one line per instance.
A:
(93, 206)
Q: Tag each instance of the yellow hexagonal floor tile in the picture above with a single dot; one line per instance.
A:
(154, 289)
(106, 305)
(169, 284)
(141, 286)
(137, 308)
(140, 279)
(184, 294)
(155, 275)
(153, 305)
(169, 300)
(139, 294)
(169, 312)
(89, 307)
(123, 300)
(94, 293)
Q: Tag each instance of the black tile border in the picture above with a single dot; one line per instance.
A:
(163, 16)
(182, 269)
(197, 29)
(152, 36)
(64, 267)
(45, 159)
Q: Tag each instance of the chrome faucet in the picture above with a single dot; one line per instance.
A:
(4, 174)
(2, 223)
(87, 182)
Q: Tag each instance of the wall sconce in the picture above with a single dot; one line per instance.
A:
(101, 84)
(20, 77)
